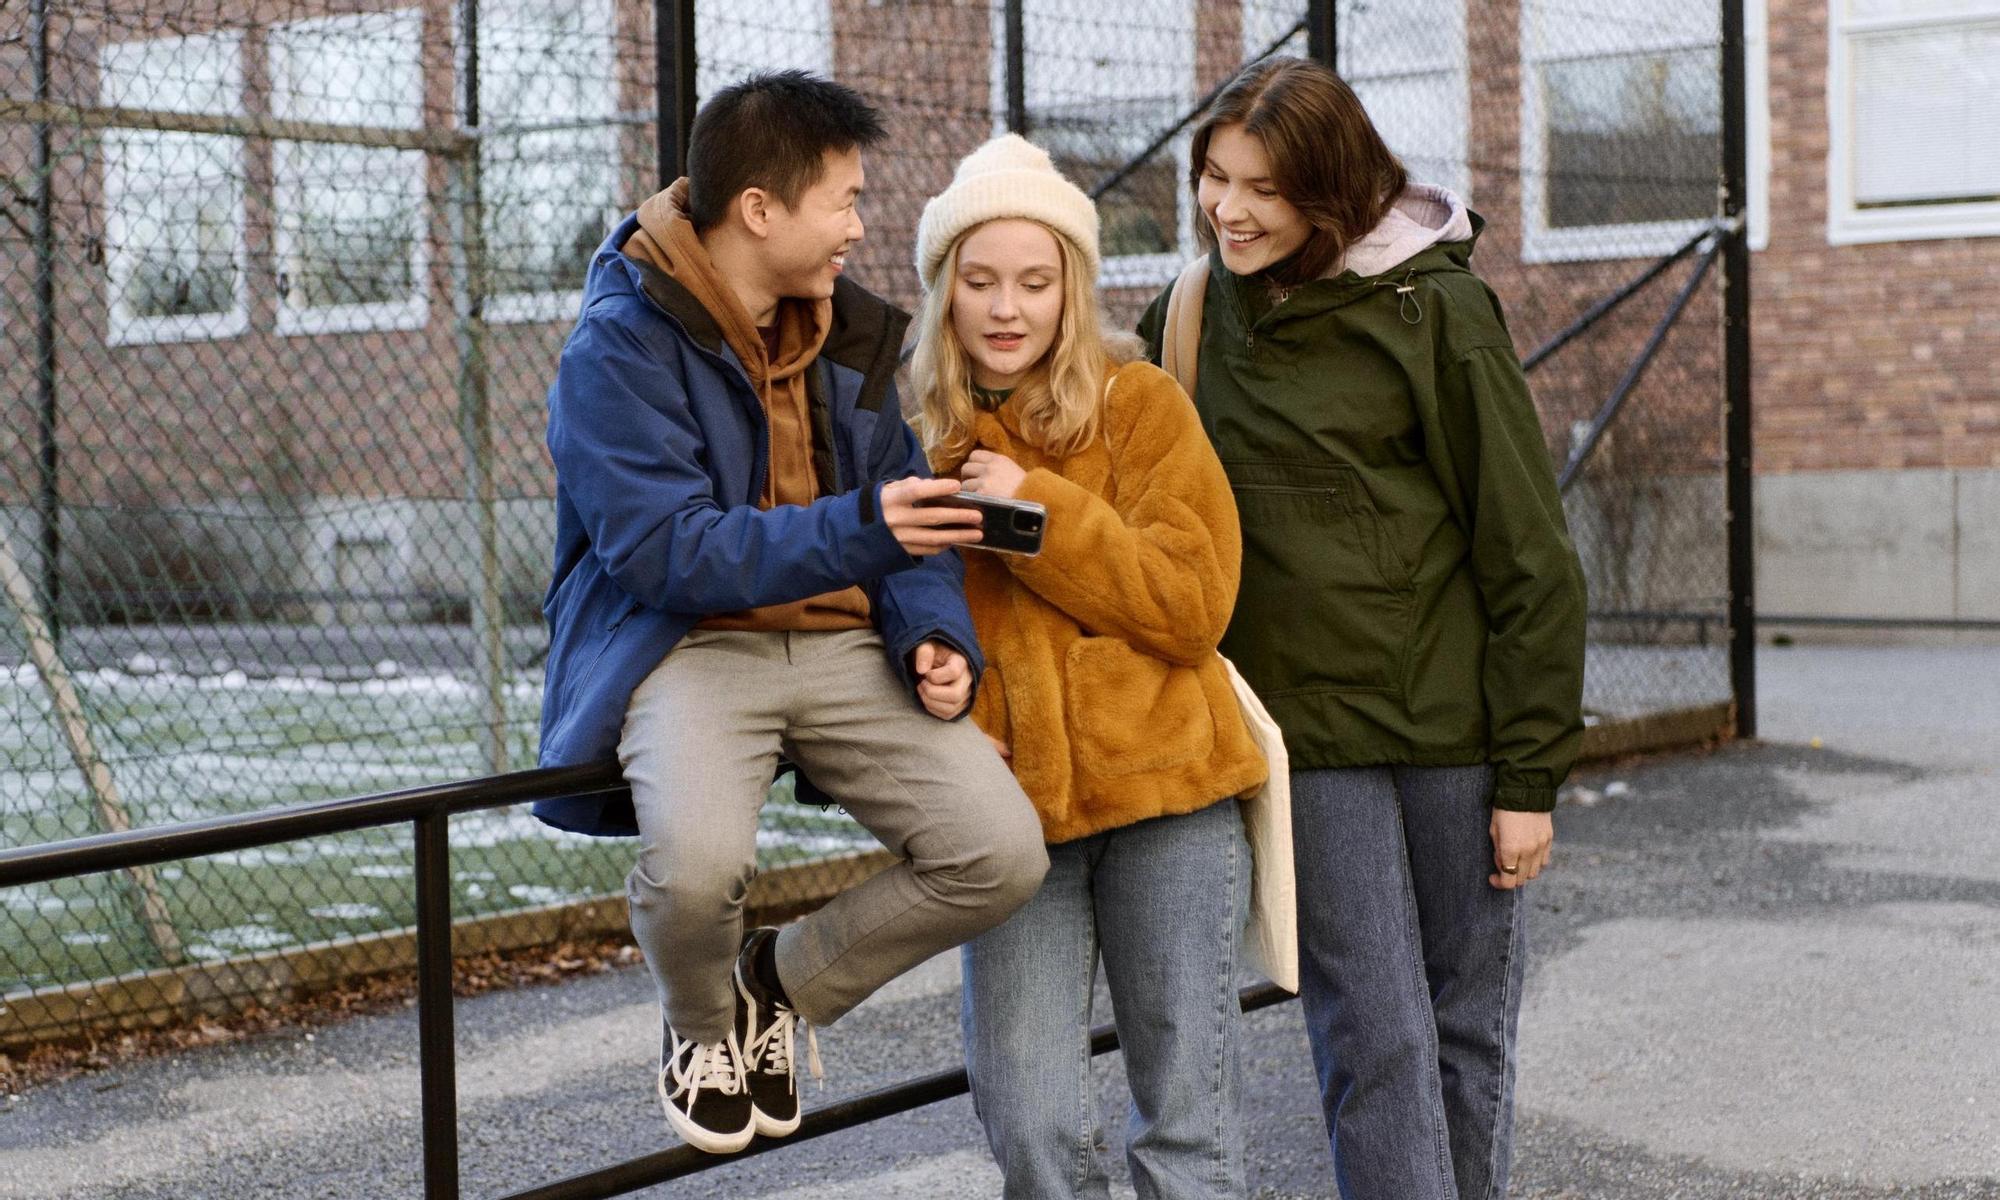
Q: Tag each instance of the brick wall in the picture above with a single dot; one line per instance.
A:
(1875, 357)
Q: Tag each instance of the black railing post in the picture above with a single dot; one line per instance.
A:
(1016, 34)
(1322, 32)
(1740, 487)
(674, 83)
(48, 459)
(436, 1047)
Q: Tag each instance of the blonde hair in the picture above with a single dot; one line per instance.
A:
(1058, 401)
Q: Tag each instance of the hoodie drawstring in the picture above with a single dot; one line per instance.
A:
(1408, 307)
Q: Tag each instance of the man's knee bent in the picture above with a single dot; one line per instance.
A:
(1006, 869)
(688, 882)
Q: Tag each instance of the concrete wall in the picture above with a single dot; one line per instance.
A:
(1907, 543)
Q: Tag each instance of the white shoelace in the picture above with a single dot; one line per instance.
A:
(775, 1047)
(716, 1065)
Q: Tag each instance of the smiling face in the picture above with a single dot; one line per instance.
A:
(1007, 299)
(1255, 226)
(806, 246)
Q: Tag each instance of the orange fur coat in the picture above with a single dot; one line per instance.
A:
(1102, 674)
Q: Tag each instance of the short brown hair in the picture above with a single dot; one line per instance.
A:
(1327, 159)
(771, 131)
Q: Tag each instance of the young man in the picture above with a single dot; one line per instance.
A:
(741, 570)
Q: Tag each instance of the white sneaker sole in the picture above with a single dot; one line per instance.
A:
(770, 1127)
(701, 1137)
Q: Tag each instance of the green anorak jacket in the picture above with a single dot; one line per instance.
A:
(1409, 593)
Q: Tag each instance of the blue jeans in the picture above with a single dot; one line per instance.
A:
(1164, 901)
(1411, 969)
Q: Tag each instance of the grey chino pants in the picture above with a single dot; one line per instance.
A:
(702, 737)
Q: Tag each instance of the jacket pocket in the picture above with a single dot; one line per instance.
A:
(1129, 712)
(1327, 601)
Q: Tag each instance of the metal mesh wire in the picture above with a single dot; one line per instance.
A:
(282, 320)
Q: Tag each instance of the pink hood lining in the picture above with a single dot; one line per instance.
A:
(1421, 217)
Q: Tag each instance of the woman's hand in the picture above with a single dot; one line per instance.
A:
(1521, 842)
(991, 474)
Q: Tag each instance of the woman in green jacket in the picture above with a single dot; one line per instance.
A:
(1411, 610)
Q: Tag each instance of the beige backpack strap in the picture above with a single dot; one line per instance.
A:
(1180, 339)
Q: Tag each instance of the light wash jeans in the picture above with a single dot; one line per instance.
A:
(1164, 902)
(1411, 966)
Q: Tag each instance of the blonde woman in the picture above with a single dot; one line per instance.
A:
(1103, 689)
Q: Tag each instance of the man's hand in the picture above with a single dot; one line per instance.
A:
(927, 531)
(1521, 842)
(992, 474)
(944, 679)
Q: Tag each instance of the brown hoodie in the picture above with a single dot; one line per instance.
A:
(666, 239)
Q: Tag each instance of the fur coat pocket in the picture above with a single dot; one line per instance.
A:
(1131, 712)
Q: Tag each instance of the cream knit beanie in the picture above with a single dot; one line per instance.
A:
(1007, 177)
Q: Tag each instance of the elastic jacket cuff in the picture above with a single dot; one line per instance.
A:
(1524, 798)
(901, 661)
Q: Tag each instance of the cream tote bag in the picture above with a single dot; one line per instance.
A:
(1272, 938)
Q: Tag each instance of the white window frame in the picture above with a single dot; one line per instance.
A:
(1847, 223)
(1121, 270)
(122, 326)
(1542, 243)
(538, 307)
(404, 29)
(1457, 71)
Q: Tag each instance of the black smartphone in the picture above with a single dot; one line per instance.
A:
(1009, 526)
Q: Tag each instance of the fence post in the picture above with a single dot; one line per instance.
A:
(111, 815)
(48, 459)
(1740, 487)
(475, 409)
(1322, 32)
(674, 66)
(1016, 33)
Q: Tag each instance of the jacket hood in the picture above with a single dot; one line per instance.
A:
(1422, 217)
(864, 333)
(666, 239)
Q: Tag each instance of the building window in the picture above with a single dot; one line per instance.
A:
(174, 241)
(1621, 118)
(1100, 89)
(548, 107)
(736, 38)
(1912, 89)
(1407, 62)
(350, 218)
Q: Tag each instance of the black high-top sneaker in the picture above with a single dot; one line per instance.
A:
(704, 1093)
(767, 1029)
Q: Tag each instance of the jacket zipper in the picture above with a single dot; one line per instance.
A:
(1286, 489)
(763, 463)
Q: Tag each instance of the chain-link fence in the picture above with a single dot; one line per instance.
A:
(286, 291)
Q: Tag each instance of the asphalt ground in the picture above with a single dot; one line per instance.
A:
(1768, 971)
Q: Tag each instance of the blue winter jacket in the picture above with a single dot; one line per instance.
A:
(660, 445)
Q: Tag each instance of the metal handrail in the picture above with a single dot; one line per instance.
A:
(429, 809)
(21, 865)
(883, 1102)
